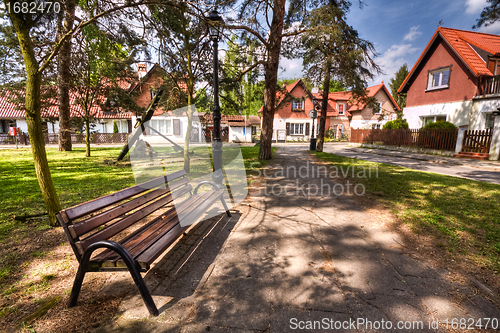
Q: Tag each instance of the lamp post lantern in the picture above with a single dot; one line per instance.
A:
(215, 26)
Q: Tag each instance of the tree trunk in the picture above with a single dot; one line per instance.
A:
(271, 79)
(64, 76)
(87, 133)
(187, 159)
(34, 120)
(324, 104)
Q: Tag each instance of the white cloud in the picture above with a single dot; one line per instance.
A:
(475, 6)
(290, 68)
(392, 60)
(492, 28)
(414, 33)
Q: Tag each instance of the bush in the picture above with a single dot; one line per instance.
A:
(395, 124)
(115, 127)
(440, 124)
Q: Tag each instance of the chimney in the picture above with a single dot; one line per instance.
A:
(142, 69)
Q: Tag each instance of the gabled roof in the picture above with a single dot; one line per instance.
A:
(280, 96)
(462, 42)
(345, 96)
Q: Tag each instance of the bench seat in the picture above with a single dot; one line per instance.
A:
(134, 226)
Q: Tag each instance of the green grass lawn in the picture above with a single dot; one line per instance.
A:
(77, 179)
(463, 214)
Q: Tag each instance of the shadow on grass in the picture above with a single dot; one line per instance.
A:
(464, 214)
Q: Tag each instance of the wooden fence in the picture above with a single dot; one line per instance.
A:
(95, 138)
(208, 133)
(441, 139)
(478, 141)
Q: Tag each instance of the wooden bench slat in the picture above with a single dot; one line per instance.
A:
(93, 222)
(139, 235)
(155, 250)
(104, 201)
(131, 219)
(146, 242)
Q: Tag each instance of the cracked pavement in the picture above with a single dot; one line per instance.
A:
(309, 257)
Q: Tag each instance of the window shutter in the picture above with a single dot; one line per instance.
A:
(177, 126)
(129, 122)
(287, 128)
(307, 129)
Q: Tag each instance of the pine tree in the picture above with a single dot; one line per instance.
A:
(333, 53)
(396, 82)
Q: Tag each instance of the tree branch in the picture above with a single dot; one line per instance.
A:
(250, 30)
(70, 33)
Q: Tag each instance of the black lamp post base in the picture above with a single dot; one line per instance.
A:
(312, 145)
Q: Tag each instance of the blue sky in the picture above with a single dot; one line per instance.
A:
(400, 30)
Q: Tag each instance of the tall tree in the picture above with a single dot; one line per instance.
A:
(102, 64)
(396, 82)
(27, 26)
(268, 32)
(334, 52)
(185, 56)
(65, 21)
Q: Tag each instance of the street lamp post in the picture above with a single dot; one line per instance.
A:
(215, 26)
(313, 114)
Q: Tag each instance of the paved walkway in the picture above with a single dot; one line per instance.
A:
(283, 261)
(485, 171)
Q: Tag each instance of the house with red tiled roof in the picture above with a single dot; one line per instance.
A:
(12, 115)
(455, 79)
(343, 113)
(292, 122)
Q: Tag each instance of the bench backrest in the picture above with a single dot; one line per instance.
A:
(105, 217)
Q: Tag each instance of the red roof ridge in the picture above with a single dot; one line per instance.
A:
(461, 42)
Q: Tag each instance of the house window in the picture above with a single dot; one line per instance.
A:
(379, 108)
(439, 78)
(376, 126)
(164, 126)
(490, 121)
(432, 119)
(341, 109)
(298, 105)
(296, 129)
(122, 126)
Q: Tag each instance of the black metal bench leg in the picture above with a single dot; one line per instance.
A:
(129, 261)
(225, 206)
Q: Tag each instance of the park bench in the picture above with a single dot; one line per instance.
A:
(102, 223)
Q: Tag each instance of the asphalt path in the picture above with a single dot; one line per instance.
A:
(443, 168)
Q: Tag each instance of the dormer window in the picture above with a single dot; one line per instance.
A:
(341, 109)
(298, 105)
(439, 78)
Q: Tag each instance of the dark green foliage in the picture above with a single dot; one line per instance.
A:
(396, 82)
(395, 124)
(440, 124)
(115, 127)
(489, 15)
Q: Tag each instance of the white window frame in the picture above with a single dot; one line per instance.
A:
(439, 71)
(486, 116)
(121, 124)
(343, 109)
(298, 105)
(154, 123)
(434, 118)
(379, 108)
(296, 129)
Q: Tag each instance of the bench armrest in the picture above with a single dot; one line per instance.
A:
(205, 182)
